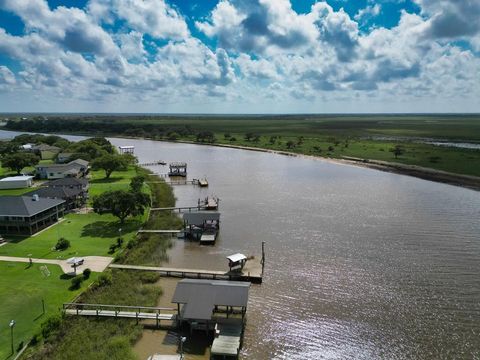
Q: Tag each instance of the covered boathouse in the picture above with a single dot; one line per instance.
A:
(177, 169)
(214, 305)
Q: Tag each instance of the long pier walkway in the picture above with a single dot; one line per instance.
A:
(120, 311)
(254, 275)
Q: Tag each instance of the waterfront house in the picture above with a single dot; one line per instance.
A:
(74, 197)
(16, 182)
(28, 214)
(69, 182)
(76, 168)
(45, 151)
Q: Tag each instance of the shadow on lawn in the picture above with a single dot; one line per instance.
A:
(108, 229)
(106, 181)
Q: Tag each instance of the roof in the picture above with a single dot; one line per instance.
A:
(236, 257)
(75, 164)
(67, 182)
(58, 192)
(79, 162)
(180, 164)
(200, 296)
(127, 147)
(46, 147)
(199, 217)
(25, 205)
(17, 178)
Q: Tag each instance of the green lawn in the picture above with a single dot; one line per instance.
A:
(22, 289)
(89, 234)
(119, 180)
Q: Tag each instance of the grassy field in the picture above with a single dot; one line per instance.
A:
(89, 234)
(334, 136)
(22, 289)
(114, 338)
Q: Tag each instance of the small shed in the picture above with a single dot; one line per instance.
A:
(127, 149)
(16, 182)
(236, 260)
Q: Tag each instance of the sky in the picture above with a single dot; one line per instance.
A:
(240, 56)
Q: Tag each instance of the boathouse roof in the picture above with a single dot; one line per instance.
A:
(200, 296)
(199, 217)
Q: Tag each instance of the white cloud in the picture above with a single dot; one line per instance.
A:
(367, 13)
(153, 17)
(6, 76)
(265, 54)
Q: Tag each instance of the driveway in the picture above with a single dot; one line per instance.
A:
(94, 263)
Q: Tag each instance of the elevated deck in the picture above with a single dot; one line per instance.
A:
(228, 339)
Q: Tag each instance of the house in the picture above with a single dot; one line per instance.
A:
(63, 157)
(28, 214)
(74, 197)
(46, 152)
(199, 301)
(69, 182)
(16, 182)
(76, 168)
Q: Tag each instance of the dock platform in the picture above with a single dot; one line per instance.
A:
(228, 339)
(252, 272)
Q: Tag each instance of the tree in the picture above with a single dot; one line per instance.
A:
(249, 136)
(397, 151)
(121, 203)
(136, 183)
(273, 139)
(206, 136)
(290, 144)
(18, 161)
(8, 147)
(110, 163)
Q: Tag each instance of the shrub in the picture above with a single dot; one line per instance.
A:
(131, 244)
(86, 273)
(149, 277)
(76, 282)
(105, 279)
(50, 326)
(62, 244)
(113, 247)
(119, 242)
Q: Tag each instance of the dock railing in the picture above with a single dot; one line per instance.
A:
(120, 311)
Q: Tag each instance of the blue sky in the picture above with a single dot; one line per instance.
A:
(239, 56)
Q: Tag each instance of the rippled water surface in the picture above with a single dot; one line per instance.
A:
(361, 264)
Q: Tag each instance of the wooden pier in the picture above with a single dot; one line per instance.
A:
(160, 231)
(252, 272)
(154, 163)
(181, 209)
(121, 311)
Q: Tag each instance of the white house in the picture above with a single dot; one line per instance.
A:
(16, 182)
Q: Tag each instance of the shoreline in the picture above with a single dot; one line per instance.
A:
(466, 181)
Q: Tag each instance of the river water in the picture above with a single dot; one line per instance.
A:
(360, 264)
